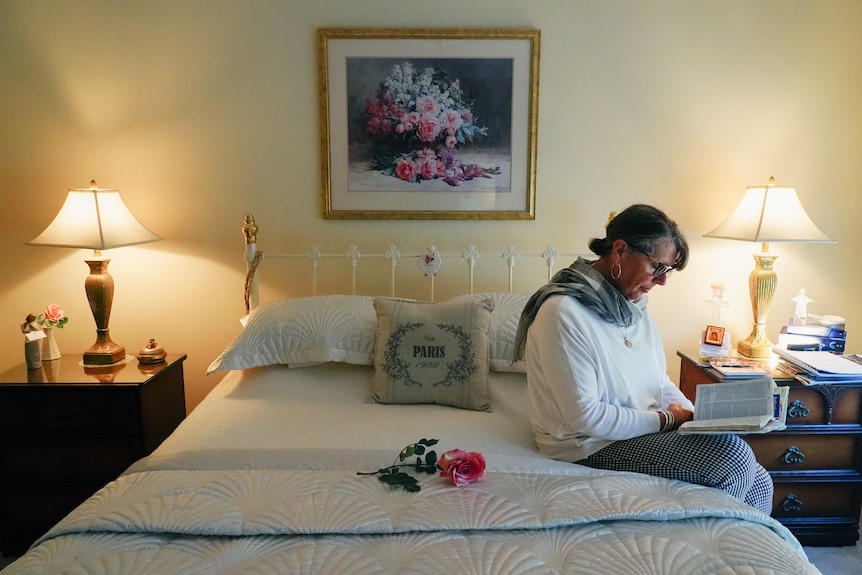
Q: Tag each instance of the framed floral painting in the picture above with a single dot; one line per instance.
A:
(428, 123)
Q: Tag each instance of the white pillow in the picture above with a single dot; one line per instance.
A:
(304, 331)
(504, 325)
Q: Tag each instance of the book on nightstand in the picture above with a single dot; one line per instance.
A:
(737, 368)
(814, 367)
(819, 333)
(740, 407)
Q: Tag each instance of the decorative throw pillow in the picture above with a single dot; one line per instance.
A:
(504, 325)
(432, 353)
(304, 331)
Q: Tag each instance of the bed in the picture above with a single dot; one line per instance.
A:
(276, 471)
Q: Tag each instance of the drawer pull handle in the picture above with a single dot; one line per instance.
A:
(797, 409)
(792, 503)
(793, 455)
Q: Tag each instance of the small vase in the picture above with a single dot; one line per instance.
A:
(49, 346)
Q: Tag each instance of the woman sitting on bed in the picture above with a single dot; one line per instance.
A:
(597, 385)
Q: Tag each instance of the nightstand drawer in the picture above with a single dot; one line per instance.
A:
(793, 451)
(810, 405)
(26, 412)
(91, 461)
(815, 499)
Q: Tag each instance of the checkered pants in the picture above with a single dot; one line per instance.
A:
(725, 462)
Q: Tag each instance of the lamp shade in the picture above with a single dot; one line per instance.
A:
(769, 214)
(94, 218)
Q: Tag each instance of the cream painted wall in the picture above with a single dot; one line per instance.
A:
(201, 110)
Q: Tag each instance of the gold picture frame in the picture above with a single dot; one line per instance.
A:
(436, 124)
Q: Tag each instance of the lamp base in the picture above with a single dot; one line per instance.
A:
(99, 286)
(105, 373)
(104, 353)
(761, 288)
(754, 346)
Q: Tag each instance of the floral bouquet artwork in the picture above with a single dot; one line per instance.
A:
(418, 122)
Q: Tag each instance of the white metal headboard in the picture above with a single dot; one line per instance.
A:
(352, 256)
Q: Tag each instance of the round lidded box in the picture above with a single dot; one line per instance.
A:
(152, 353)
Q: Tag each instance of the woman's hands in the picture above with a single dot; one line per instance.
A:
(674, 416)
(680, 414)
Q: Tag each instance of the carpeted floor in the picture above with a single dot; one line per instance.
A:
(837, 560)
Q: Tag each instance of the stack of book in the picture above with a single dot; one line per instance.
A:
(820, 367)
(820, 333)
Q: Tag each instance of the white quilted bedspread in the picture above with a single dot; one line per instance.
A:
(299, 521)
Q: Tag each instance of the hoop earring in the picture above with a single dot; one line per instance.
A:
(619, 270)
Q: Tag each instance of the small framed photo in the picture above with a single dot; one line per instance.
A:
(428, 123)
(714, 335)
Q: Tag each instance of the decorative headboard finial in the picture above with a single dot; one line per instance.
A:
(249, 229)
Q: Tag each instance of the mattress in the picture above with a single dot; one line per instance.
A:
(262, 478)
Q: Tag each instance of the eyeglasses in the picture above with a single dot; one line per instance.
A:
(658, 269)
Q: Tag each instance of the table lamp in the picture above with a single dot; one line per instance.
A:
(97, 219)
(766, 214)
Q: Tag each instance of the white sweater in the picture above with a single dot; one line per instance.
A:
(585, 387)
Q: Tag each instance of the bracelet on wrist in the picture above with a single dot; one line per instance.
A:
(669, 421)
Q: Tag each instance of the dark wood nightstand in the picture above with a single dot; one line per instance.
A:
(816, 463)
(66, 430)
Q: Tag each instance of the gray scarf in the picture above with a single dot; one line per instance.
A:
(589, 287)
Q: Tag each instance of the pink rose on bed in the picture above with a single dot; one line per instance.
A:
(462, 467)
